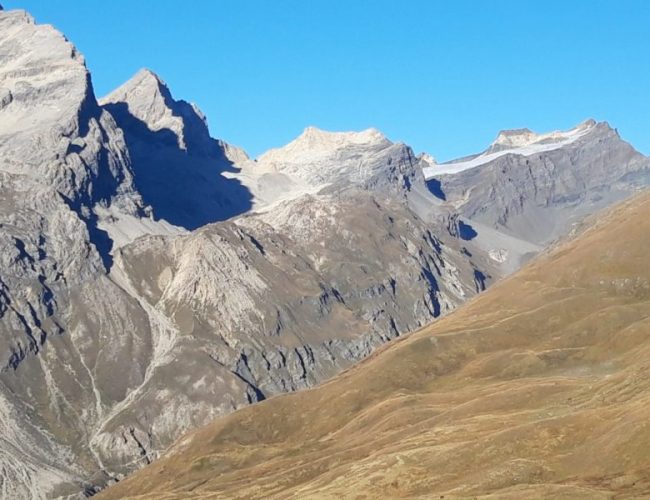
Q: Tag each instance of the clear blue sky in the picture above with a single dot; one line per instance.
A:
(443, 77)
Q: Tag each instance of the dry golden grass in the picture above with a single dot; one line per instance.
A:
(539, 388)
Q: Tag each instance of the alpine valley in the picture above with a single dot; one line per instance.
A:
(153, 278)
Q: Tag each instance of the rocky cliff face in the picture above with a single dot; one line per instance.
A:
(62, 156)
(177, 166)
(248, 309)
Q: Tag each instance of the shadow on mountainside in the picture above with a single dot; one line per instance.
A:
(184, 186)
(435, 187)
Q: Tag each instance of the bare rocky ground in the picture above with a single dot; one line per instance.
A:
(153, 278)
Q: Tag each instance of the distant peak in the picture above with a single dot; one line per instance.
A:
(516, 132)
(589, 123)
(521, 137)
(427, 158)
(147, 78)
(147, 74)
(316, 134)
(515, 137)
(144, 82)
(315, 142)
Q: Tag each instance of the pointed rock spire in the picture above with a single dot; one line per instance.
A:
(146, 98)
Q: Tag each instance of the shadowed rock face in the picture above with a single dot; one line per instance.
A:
(177, 166)
(536, 389)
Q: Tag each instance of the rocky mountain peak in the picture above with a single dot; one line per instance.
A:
(427, 159)
(523, 137)
(515, 137)
(318, 135)
(315, 137)
(315, 144)
(49, 115)
(40, 71)
(144, 87)
(146, 100)
(177, 165)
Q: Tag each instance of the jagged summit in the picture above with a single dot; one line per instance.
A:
(146, 74)
(58, 74)
(145, 83)
(59, 136)
(147, 98)
(177, 165)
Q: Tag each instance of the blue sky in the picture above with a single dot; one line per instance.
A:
(444, 77)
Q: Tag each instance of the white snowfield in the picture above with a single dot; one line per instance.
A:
(517, 142)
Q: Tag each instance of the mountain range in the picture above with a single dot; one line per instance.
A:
(154, 278)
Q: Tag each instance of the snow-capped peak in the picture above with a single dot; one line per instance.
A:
(518, 142)
(517, 138)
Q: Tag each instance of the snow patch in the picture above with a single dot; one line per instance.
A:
(519, 142)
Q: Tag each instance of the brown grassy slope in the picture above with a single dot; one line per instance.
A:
(538, 388)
